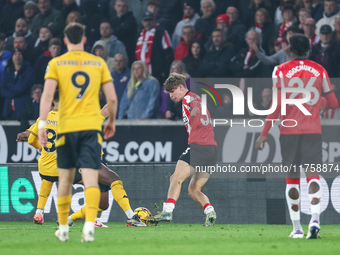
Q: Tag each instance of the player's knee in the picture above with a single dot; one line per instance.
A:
(192, 190)
(293, 193)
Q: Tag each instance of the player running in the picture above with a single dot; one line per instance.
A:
(202, 151)
(301, 144)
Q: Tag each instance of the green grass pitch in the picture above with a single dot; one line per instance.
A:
(27, 238)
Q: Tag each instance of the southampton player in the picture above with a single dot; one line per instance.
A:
(79, 77)
(47, 165)
(301, 144)
(202, 151)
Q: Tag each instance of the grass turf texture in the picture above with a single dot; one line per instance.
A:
(27, 238)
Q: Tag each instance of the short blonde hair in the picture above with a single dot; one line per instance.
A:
(173, 81)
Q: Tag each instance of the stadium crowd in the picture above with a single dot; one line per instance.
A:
(142, 41)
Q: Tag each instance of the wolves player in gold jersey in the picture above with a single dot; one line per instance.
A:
(47, 164)
(79, 77)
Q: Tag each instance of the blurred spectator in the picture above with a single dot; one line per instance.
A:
(42, 43)
(141, 96)
(282, 55)
(154, 48)
(91, 19)
(246, 64)
(309, 30)
(9, 15)
(194, 58)
(125, 28)
(30, 10)
(206, 24)
(169, 14)
(73, 16)
(331, 10)
(188, 35)
(279, 43)
(222, 22)
(329, 113)
(278, 13)
(154, 6)
(216, 60)
(304, 13)
(20, 43)
(69, 6)
(189, 19)
(32, 111)
(21, 29)
(54, 49)
(121, 75)
(336, 33)
(327, 52)
(266, 99)
(254, 5)
(236, 31)
(113, 45)
(315, 7)
(225, 111)
(170, 109)
(5, 55)
(265, 27)
(16, 85)
(50, 17)
(99, 49)
(288, 17)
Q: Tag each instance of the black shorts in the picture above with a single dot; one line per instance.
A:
(78, 178)
(79, 150)
(301, 149)
(200, 155)
(49, 178)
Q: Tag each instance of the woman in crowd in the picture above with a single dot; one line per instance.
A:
(194, 58)
(265, 27)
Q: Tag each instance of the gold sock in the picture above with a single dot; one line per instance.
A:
(92, 198)
(80, 214)
(119, 194)
(45, 190)
(64, 204)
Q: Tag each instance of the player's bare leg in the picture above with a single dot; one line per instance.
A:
(182, 172)
(293, 202)
(66, 177)
(92, 198)
(314, 194)
(197, 181)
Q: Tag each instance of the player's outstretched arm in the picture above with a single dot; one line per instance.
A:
(45, 106)
(23, 136)
(112, 102)
(260, 142)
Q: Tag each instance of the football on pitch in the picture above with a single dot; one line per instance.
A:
(143, 214)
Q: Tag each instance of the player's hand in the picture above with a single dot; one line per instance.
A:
(104, 111)
(260, 142)
(195, 111)
(168, 114)
(42, 136)
(23, 136)
(109, 130)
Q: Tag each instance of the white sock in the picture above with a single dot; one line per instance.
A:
(168, 207)
(209, 209)
(315, 209)
(129, 213)
(88, 226)
(40, 211)
(294, 215)
(69, 219)
(63, 228)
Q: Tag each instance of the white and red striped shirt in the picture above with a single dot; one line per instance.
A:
(313, 40)
(199, 128)
(144, 45)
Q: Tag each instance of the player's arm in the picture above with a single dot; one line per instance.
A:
(45, 106)
(112, 103)
(23, 136)
(33, 137)
(331, 101)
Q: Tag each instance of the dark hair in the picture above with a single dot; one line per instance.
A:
(2, 37)
(107, 21)
(74, 32)
(54, 41)
(36, 86)
(299, 44)
(56, 96)
(217, 30)
(294, 29)
(47, 28)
